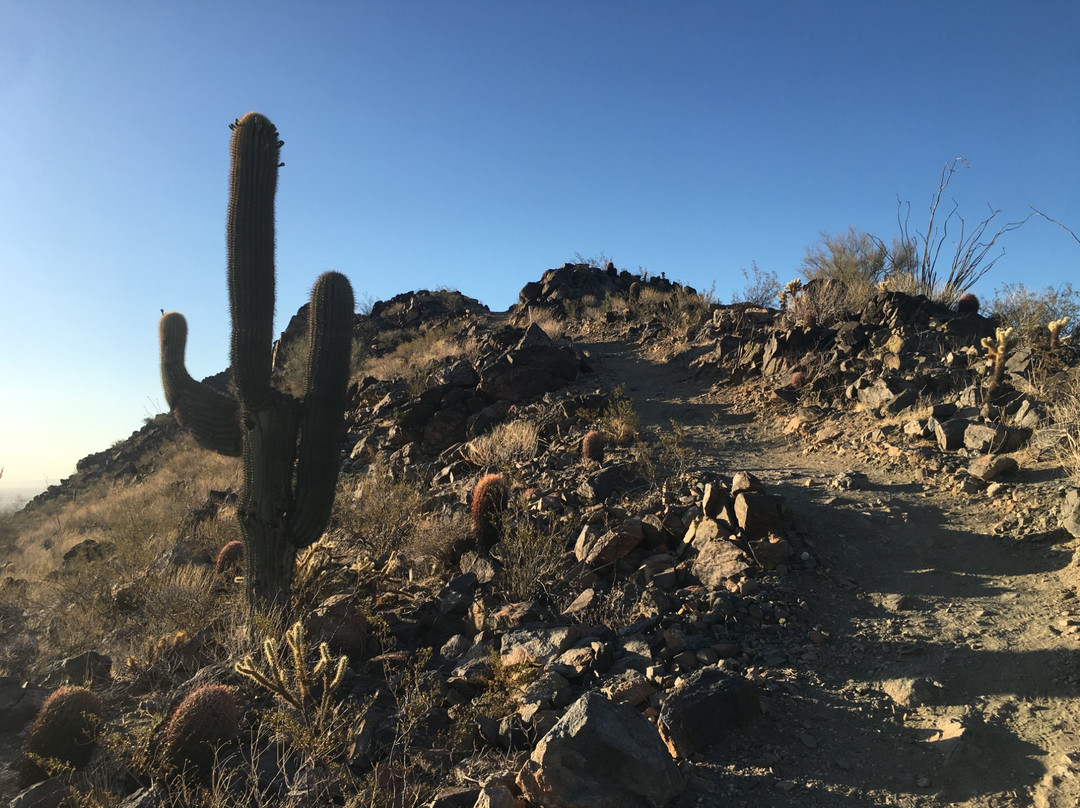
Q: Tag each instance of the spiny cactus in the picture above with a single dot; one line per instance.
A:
(308, 691)
(206, 719)
(229, 556)
(1055, 332)
(288, 486)
(64, 732)
(489, 500)
(967, 303)
(634, 293)
(592, 446)
(790, 293)
(798, 379)
(999, 348)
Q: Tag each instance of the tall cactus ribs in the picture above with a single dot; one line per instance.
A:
(290, 447)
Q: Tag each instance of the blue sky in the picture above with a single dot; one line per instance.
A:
(474, 145)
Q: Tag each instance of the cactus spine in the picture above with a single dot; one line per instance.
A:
(288, 489)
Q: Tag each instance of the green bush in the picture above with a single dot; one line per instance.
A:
(1028, 312)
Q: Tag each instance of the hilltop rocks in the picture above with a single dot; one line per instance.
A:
(534, 366)
(572, 282)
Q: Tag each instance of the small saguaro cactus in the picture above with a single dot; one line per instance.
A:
(1055, 327)
(999, 348)
(290, 447)
(204, 720)
(489, 500)
(63, 732)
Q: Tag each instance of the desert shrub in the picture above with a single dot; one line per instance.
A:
(762, 287)
(377, 512)
(531, 556)
(854, 257)
(1029, 312)
(1059, 436)
(619, 419)
(552, 325)
(857, 259)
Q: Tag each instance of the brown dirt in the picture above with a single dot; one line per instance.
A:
(911, 582)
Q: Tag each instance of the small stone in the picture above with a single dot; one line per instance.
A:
(896, 603)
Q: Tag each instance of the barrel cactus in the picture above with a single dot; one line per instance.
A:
(63, 732)
(592, 446)
(967, 303)
(203, 721)
(290, 447)
(229, 557)
(489, 500)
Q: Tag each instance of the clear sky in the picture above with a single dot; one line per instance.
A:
(474, 144)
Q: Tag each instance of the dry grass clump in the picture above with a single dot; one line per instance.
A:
(553, 326)
(1060, 437)
(506, 445)
(377, 512)
(133, 583)
(415, 359)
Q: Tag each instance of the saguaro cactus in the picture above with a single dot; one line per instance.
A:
(289, 447)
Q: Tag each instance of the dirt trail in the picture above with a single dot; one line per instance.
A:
(911, 583)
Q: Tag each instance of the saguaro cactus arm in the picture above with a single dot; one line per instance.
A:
(321, 424)
(256, 152)
(212, 417)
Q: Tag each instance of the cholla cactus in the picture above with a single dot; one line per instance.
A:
(592, 446)
(489, 500)
(790, 293)
(63, 733)
(1055, 332)
(297, 687)
(204, 720)
(999, 348)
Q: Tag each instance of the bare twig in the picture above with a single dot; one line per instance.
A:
(1037, 212)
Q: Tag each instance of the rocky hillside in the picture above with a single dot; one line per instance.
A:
(606, 549)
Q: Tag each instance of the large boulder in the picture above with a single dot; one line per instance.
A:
(601, 755)
(707, 705)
